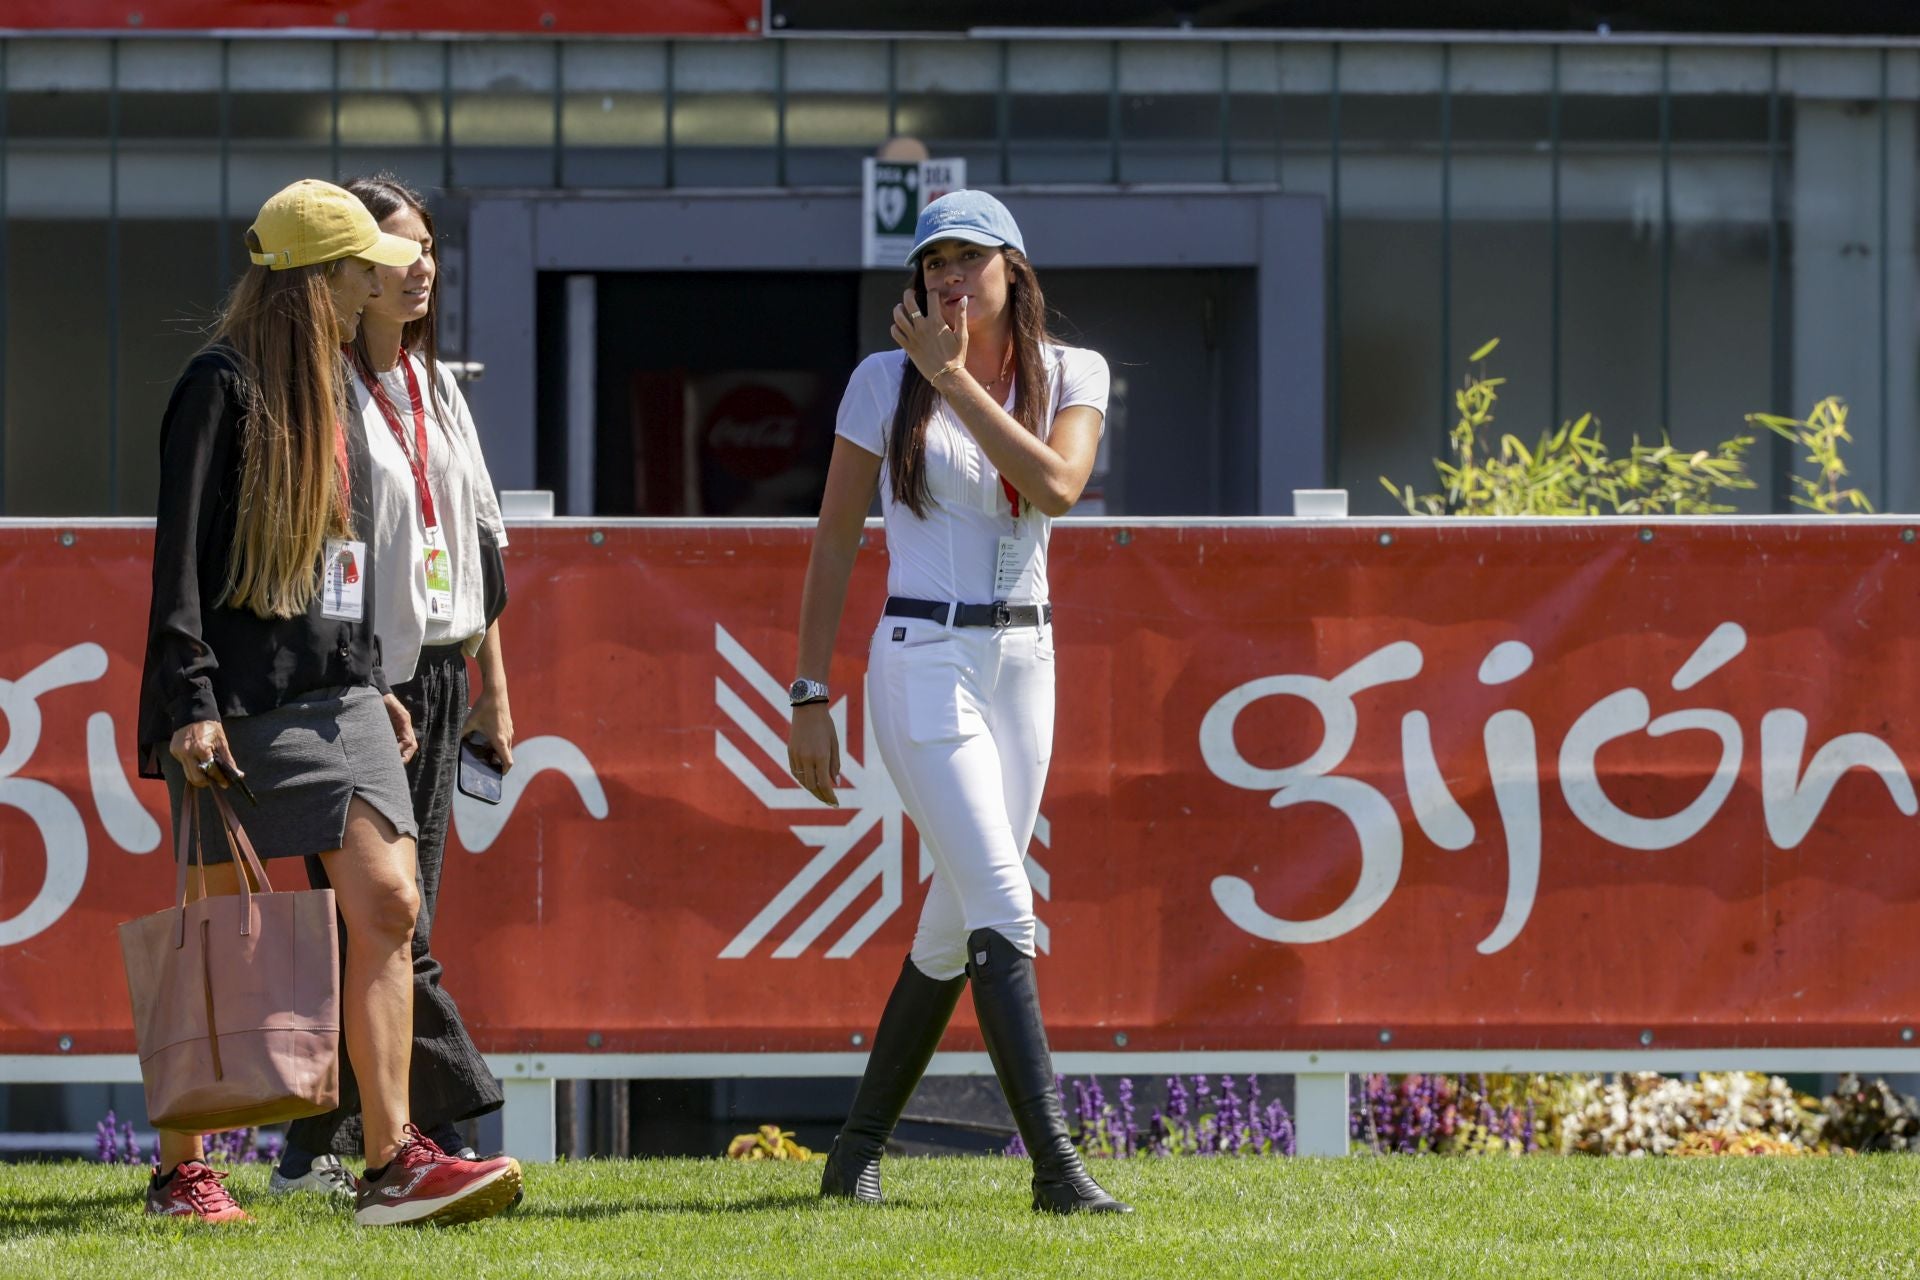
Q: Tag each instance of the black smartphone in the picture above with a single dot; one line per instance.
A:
(218, 773)
(480, 773)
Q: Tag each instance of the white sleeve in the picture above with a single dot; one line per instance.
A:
(486, 498)
(1083, 380)
(866, 410)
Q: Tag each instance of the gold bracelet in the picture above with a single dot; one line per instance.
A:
(946, 369)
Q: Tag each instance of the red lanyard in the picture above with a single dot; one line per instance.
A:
(416, 456)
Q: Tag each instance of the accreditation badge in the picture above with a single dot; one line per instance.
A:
(439, 569)
(343, 583)
(1016, 568)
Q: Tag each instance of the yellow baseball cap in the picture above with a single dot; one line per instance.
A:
(312, 222)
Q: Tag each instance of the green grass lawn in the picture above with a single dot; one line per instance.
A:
(1402, 1217)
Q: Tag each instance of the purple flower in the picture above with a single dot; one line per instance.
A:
(1280, 1125)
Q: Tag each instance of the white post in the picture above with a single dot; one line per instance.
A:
(1320, 1114)
(527, 1120)
(581, 371)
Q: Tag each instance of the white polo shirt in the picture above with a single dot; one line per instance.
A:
(464, 499)
(951, 554)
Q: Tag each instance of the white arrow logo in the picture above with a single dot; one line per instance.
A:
(870, 801)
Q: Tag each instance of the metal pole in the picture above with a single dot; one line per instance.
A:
(113, 277)
(1446, 244)
(1279, 124)
(5, 48)
(223, 253)
(1886, 415)
(1226, 114)
(780, 113)
(1780, 395)
(1555, 251)
(893, 88)
(446, 115)
(582, 381)
(1332, 468)
(559, 114)
(1003, 112)
(1666, 240)
(667, 139)
(1113, 113)
(333, 107)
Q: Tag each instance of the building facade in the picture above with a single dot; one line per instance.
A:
(1287, 242)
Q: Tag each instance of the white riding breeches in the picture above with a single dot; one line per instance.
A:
(963, 717)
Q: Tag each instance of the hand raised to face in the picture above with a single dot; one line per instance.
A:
(935, 347)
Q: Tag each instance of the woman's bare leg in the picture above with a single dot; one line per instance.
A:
(374, 888)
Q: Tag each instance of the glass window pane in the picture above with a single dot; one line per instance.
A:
(56, 274)
(170, 293)
(614, 115)
(502, 114)
(1170, 112)
(1060, 128)
(725, 114)
(391, 111)
(1721, 348)
(1610, 200)
(1389, 303)
(1502, 269)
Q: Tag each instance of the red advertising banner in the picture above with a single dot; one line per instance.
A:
(1445, 785)
(490, 17)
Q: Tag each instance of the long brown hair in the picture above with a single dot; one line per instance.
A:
(280, 327)
(385, 194)
(907, 440)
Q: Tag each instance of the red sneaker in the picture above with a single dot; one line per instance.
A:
(425, 1184)
(194, 1191)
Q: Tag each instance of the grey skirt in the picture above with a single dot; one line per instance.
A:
(305, 761)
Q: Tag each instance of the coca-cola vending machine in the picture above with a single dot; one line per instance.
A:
(748, 442)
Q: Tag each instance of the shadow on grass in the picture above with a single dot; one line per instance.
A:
(22, 1215)
(694, 1207)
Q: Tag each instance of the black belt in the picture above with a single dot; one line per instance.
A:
(971, 615)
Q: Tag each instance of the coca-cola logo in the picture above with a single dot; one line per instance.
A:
(753, 431)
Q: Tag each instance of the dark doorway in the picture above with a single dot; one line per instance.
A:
(715, 392)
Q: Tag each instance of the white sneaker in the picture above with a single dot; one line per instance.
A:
(326, 1175)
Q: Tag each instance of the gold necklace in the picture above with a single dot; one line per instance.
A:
(1006, 370)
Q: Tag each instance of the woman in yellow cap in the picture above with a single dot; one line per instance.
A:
(261, 664)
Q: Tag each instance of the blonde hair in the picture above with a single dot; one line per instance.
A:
(280, 324)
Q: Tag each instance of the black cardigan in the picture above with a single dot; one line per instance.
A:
(204, 660)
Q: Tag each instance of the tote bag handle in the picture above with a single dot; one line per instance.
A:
(186, 844)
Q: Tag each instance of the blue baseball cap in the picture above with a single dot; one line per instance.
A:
(972, 216)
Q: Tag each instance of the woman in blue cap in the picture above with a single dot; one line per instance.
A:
(978, 431)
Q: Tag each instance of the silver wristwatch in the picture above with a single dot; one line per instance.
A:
(803, 691)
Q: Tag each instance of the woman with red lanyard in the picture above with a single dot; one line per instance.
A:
(977, 430)
(436, 536)
(263, 662)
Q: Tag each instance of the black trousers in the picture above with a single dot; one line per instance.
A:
(450, 1081)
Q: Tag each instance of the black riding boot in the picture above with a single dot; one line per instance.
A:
(1007, 1001)
(917, 1012)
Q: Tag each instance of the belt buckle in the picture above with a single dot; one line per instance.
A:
(1002, 616)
